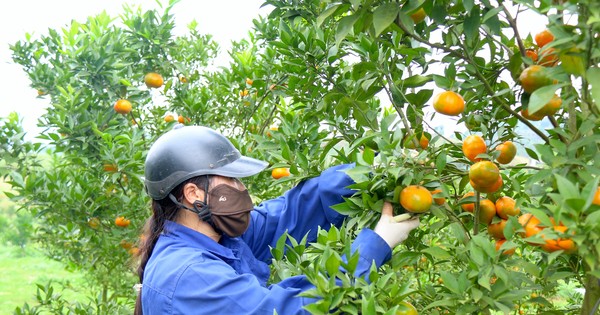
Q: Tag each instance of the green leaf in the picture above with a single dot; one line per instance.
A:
(384, 16)
(471, 25)
(438, 253)
(344, 28)
(541, 97)
(332, 264)
(593, 77)
(416, 81)
(450, 282)
(566, 188)
(468, 4)
(326, 14)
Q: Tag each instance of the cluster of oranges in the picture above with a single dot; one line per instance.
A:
(538, 75)
(484, 175)
(152, 80)
(180, 119)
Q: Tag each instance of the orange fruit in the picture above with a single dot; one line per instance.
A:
(596, 199)
(548, 57)
(423, 141)
(182, 119)
(122, 221)
(153, 80)
(122, 107)
(531, 225)
(405, 308)
(94, 223)
(487, 211)
(484, 173)
(505, 207)
(533, 117)
(551, 107)
(488, 189)
(416, 199)
(534, 77)
(469, 207)
(449, 103)
(506, 251)
(280, 172)
(244, 93)
(111, 168)
(182, 79)
(134, 251)
(472, 146)
(543, 38)
(271, 129)
(555, 244)
(532, 54)
(508, 151)
(496, 230)
(125, 244)
(438, 200)
(249, 81)
(418, 16)
(169, 118)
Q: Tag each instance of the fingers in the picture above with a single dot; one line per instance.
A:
(387, 209)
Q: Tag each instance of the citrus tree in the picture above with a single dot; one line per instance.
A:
(451, 110)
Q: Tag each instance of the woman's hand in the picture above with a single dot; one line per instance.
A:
(393, 232)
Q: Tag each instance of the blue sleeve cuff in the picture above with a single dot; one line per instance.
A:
(371, 248)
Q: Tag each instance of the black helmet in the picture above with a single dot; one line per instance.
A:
(190, 151)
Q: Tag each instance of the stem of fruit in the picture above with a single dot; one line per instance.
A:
(476, 213)
(401, 217)
(400, 112)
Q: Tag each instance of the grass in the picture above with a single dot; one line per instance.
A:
(22, 269)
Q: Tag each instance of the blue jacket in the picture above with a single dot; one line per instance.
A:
(189, 273)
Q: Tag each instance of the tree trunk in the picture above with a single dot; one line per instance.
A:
(592, 296)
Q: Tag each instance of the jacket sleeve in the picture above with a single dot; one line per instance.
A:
(299, 211)
(223, 291)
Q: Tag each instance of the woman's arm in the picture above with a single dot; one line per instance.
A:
(301, 210)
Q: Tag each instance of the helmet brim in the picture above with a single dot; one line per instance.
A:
(242, 167)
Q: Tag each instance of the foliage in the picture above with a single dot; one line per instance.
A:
(332, 82)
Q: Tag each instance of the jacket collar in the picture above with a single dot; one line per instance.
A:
(198, 240)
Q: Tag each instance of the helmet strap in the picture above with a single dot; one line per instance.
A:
(199, 207)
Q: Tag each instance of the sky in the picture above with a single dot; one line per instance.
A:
(226, 20)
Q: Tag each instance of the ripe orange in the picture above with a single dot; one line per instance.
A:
(496, 230)
(484, 173)
(438, 200)
(423, 141)
(506, 251)
(449, 103)
(134, 251)
(533, 117)
(469, 207)
(153, 80)
(126, 244)
(531, 53)
(488, 189)
(548, 57)
(249, 81)
(549, 109)
(182, 79)
(487, 211)
(406, 308)
(418, 16)
(111, 168)
(169, 118)
(122, 106)
(505, 207)
(416, 199)
(280, 172)
(472, 146)
(534, 77)
(543, 38)
(244, 93)
(530, 224)
(596, 199)
(122, 221)
(555, 244)
(182, 119)
(508, 151)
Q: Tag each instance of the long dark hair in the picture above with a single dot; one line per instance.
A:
(162, 210)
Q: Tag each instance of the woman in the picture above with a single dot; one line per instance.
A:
(207, 247)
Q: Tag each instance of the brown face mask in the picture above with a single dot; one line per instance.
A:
(230, 209)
